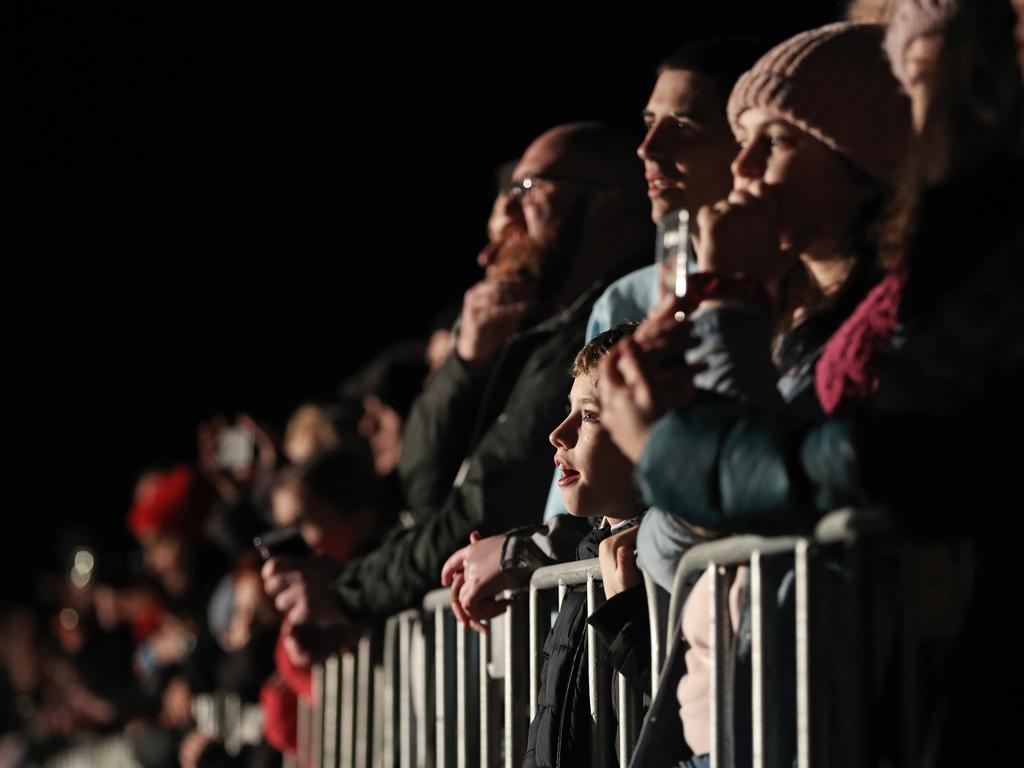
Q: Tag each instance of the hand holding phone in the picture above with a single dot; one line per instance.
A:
(282, 541)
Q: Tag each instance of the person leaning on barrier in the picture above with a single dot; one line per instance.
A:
(595, 483)
(494, 399)
(339, 505)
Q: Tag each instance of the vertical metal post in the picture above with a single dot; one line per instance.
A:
(764, 652)
(445, 699)
(405, 725)
(422, 714)
(722, 740)
(600, 690)
(440, 689)
(383, 751)
(629, 719)
(462, 694)
(316, 731)
(330, 713)
(657, 631)
(804, 722)
(390, 694)
(346, 710)
(367, 709)
(488, 725)
(517, 709)
(535, 651)
(303, 728)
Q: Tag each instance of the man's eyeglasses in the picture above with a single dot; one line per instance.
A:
(517, 190)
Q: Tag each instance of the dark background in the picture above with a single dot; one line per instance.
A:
(230, 209)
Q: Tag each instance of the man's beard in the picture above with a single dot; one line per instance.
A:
(543, 261)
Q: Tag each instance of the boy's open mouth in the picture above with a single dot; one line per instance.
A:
(569, 474)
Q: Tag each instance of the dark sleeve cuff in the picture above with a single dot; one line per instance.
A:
(623, 626)
(533, 546)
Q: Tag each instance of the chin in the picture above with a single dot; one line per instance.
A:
(659, 208)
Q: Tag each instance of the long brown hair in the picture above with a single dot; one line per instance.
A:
(798, 292)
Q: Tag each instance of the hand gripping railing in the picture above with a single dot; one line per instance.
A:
(433, 693)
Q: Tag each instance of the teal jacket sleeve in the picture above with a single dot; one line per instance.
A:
(728, 468)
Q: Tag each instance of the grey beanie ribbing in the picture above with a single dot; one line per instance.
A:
(835, 83)
(914, 19)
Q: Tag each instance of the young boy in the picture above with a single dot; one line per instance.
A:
(596, 482)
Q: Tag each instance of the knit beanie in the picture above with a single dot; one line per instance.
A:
(834, 83)
(914, 19)
(172, 503)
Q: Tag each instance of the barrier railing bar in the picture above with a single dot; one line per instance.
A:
(329, 724)
(600, 692)
(803, 658)
(347, 708)
(721, 668)
(656, 629)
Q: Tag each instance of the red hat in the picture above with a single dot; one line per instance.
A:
(171, 503)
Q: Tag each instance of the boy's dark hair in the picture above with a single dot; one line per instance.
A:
(587, 358)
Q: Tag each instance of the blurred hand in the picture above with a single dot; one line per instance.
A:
(177, 703)
(301, 589)
(230, 484)
(309, 643)
(741, 236)
(88, 706)
(266, 451)
(633, 397)
(665, 341)
(172, 641)
(453, 575)
(645, 375)
(617, 556)
(192, 748)
(295, 646)
(492, 311)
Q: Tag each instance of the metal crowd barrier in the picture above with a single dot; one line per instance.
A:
(109, 752)
(848, 602)
(228, 719)
(439, 695)
(425, 692)
(428, 693)
(221, 715)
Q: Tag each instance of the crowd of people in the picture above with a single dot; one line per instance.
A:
(852, 333)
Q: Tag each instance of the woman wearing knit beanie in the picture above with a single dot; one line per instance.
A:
(822, 128)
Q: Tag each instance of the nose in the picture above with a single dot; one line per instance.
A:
(749, 164)
(564, 435)
(651, 147)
